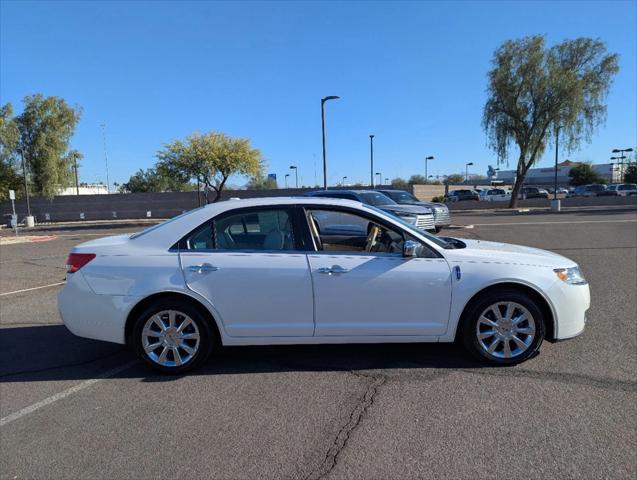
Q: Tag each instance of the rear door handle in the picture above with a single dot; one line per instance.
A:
(203, 268)
(332, 269)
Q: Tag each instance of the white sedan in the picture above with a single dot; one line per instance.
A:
(262, 271)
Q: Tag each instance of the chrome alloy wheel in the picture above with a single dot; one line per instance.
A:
(170, 338)
(505, 330)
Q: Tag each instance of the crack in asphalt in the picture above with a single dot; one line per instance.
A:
(355, 417)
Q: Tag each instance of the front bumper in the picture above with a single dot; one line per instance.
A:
(570, 304)
(442, 217)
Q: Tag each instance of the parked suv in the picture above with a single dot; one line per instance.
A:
(460, 195)
(533, 192)
(592, 190)
(441, 211)
(418, 215)
(621, 189)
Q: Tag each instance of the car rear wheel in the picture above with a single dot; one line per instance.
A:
(505, 327)
(172, 336)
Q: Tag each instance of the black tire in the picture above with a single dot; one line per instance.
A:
(207, 335)
(438, 229)
(469, 328)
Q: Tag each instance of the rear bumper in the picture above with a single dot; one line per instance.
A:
(86, 314)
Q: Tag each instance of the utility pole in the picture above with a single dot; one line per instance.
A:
(26, 183)
(323, 100)
(371, 156)
(108, 184)
(77, 183)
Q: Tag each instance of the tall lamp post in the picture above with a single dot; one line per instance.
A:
(622, 157)
(557, 143)
(296, 174)
(371, 159)
(426, 160)
(323, 100)
(466, 175)
(343, 181)
(286, 179)
(380, 178)
(26, 183)
(108, 185)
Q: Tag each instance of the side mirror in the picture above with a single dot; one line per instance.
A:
(411, 248)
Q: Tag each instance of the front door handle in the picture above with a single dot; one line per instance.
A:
(203, 268)
(332, 269)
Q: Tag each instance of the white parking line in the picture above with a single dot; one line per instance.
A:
(32, 288)
(553, 223)
(59, 396)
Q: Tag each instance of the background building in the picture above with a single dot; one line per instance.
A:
(546, 176)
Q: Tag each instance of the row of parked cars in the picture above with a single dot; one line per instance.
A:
(430, 216)
(600, 190)
(501, 194)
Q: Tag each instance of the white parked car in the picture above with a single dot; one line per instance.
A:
(495, 195)
(259, 271)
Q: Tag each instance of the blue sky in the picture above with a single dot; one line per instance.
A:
(413, 74)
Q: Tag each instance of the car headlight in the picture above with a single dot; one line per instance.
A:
(408, 218)
(572, 276)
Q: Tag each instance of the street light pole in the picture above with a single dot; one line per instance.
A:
(286, 179)
(466, 178)
(108, 185)
(557, 142)
(323, 100)
(371, 158)
(26, 183)
(426, 160)
(380, 178)
(296, 174)
(343, 181)
(77, 183)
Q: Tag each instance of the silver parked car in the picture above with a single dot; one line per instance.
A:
(441, 211)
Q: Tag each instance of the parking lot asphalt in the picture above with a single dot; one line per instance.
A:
(76, 408)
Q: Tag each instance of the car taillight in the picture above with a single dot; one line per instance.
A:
(77, 261)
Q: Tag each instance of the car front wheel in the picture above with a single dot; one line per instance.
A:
(505, 327)
(172, 336)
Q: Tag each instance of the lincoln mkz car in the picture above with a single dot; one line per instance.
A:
(262, 272)
(418, 215)
(442, 218)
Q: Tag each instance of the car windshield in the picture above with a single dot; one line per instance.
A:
(376, 198)
(411, 228)
(597, 187)
(497, 192)
(401, 197)
(628, 186)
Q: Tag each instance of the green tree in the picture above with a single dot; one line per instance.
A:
(454, 179)
(536, 93)
(45, 127)
(417, 179)
(630, 174)
(9, 163)
(261, 182)
(583, 174)
(399, 183)
(211, 158)
(158, 179)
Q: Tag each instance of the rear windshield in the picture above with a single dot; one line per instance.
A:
(155, 227)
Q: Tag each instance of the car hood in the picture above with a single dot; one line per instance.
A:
(408, 209)
(506, 253)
